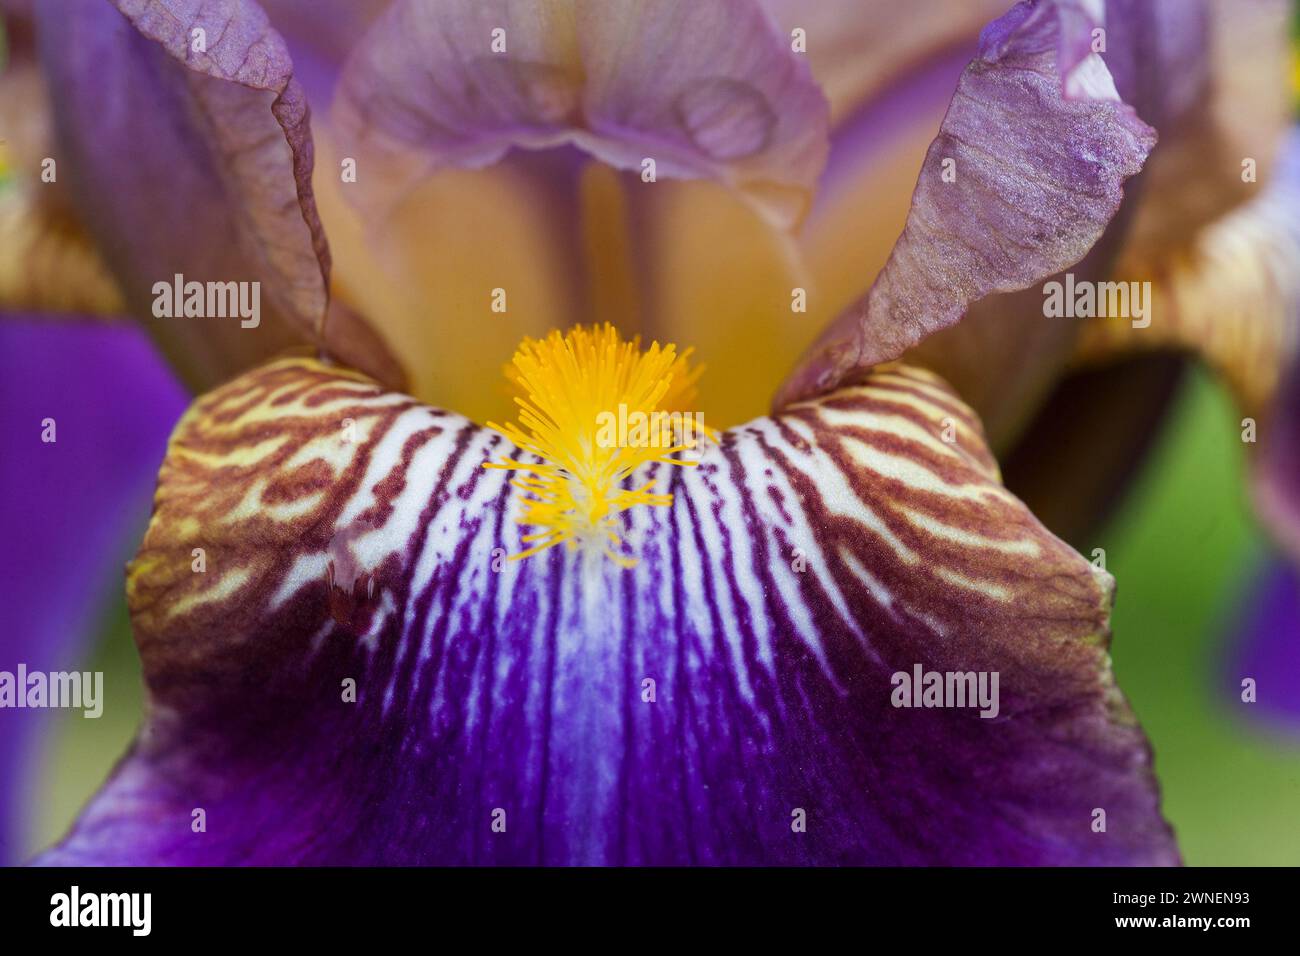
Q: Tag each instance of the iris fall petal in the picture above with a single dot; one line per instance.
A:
(693, 708)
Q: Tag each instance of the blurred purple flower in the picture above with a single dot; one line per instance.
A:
(73, 507)
(1268, 649)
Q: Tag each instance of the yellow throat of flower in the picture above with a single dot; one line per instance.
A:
(578, 391)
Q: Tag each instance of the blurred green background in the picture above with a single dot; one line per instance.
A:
(1185, 550)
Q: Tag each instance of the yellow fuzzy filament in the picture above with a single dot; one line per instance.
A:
(576, 492)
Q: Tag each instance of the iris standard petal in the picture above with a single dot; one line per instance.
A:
(320, 35)
(858, 48)
(1020, 182)
(187, 138)
(720, 275)
(1005, 356)
(729, 699)
(706, 90)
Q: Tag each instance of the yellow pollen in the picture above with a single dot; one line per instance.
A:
(577, 385)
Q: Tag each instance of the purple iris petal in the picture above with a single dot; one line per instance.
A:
(73, 507)
(702, 89)
(1158, 53)
(1003, 357)
(358, 676)
(188, 140)
(320, 35)
(1020, 183)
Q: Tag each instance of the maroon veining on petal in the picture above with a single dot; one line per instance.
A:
(730, 699)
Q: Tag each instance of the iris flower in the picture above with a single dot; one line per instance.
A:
(375, 628)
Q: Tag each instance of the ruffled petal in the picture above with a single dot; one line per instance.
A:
(706, 90)
(1020, 183)
(1002, 357)
(730, 699)
(223, 191)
